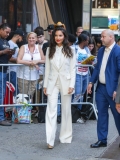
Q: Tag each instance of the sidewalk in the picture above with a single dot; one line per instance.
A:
(28, 142)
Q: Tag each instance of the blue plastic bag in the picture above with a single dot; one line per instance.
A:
(22, 114)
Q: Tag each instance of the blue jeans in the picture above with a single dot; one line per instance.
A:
(80, 88)
(12, 77)
(3, 77)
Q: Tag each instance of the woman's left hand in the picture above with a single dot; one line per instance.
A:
(70, 90)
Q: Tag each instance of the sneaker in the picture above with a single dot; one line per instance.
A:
(80, 120)
(5, 123)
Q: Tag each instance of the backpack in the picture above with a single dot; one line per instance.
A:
(87, 111)
(42, 109)
(75, 113)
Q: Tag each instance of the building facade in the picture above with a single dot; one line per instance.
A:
(104, 14)
(28, 14)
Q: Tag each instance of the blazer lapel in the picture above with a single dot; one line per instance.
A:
(62, 59)
(112, 51)
(101, 56)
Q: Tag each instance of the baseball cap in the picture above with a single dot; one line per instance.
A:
(50, 27)
(71, 38)
(19, 32)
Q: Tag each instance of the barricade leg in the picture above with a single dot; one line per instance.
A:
(2, 93)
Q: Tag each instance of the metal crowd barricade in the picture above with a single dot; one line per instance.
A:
(42, 103)
(86, 96)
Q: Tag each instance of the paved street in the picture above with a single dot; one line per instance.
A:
(27, 142)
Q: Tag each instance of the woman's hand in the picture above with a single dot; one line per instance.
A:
(32, 63)
(90, 62)
(37, 67)
(70, 90)
(45, 91)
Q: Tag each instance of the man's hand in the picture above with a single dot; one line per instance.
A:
(89, 88)
(8, 51)
(70, 90)
(118, 107)
(45, 91)
(12, 51)
(114, 95)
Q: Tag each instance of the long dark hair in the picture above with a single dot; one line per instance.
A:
(66, 50)
(92, 41)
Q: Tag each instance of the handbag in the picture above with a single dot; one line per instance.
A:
(22, 114)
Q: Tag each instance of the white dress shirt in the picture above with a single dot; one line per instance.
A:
(57, 55)
(104, 63)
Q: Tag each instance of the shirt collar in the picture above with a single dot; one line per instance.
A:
(59, 48)
(110, 47)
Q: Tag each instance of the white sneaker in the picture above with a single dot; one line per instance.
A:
(80, 120)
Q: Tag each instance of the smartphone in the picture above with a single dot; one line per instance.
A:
(15, 48)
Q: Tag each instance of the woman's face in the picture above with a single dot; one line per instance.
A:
(59, 37)
(86, 42)
(91, 46)
(98, 45)
(32, 39)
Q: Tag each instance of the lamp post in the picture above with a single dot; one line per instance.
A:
(90, 15)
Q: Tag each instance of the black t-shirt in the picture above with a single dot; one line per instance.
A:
(44, 48)
(4, 58)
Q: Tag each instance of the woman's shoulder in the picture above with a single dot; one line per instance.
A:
(25, 46)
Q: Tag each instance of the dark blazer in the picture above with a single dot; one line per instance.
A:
(117, 99)
(112, 69)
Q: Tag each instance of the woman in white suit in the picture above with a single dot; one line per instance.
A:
(59, 77)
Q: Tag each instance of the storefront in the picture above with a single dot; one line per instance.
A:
(28, 14)
(104, 14)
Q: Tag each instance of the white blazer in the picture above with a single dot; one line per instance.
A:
(66, 73)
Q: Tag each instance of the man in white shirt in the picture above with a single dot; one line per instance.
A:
(12, 70)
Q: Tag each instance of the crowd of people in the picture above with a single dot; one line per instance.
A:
(60, 59)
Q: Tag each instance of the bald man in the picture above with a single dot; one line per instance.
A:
(106, 73)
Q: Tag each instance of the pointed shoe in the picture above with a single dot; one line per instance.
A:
(50, 147)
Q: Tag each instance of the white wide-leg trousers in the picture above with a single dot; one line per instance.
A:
(51, 116)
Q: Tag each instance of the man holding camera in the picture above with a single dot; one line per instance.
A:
(5, 55)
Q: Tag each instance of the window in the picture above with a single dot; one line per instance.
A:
(115, 3)
(104, 4)
(93, 4)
